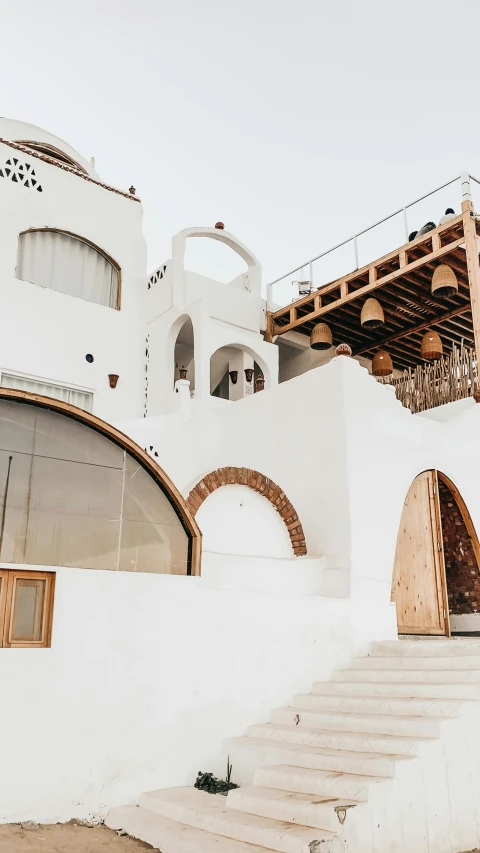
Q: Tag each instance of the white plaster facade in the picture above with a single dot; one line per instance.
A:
(126, 709)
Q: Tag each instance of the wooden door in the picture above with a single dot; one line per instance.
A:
(418, 587)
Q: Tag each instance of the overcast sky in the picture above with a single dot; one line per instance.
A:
(296, 122)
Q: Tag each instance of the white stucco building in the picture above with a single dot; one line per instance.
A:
(201, 515)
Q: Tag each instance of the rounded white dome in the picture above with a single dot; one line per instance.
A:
(45, 143)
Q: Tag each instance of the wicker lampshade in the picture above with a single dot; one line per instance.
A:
(431, 345)
(321, 337)
(372, 314)
(444, 281)
(382, 364)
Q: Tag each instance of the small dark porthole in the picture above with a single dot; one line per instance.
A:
(89, 357)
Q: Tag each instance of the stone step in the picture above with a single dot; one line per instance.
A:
(336, 721)
(354, 741)
(379, 705)
(425, 648)
(316, 758)
(422, 676)
(169, 836)
(211, 814)
(323, 783)
(413, 689)
(457, 662)
(304, 809)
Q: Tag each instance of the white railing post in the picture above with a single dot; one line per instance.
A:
(355, 248)
(269, 297)
(466, 187)
(405, 222)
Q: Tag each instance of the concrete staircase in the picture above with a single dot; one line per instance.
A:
(384, 758)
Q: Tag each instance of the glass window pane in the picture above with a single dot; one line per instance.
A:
(28, 606)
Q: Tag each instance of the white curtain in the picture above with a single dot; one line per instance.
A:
(82, 399)
(67, 264)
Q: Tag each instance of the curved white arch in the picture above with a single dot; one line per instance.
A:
(178, 259)
(267, 374)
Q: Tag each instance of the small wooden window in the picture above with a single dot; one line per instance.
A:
(26, 609)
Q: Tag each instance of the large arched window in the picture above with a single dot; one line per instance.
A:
(72, 496)
(67, 263)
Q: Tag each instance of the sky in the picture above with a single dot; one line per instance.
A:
(295, 122)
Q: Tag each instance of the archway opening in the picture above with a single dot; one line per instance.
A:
(184, 354)
(436, 575)
(215, 260)
(233, 373)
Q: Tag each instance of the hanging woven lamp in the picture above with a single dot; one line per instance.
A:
(321, 337)
(382, 364)
(431, 345)
(444, 281)
(372, 314)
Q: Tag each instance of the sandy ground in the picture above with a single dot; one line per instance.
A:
(67, 838)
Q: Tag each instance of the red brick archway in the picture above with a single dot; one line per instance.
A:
(262, 485)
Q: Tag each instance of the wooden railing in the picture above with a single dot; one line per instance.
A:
(445, 380)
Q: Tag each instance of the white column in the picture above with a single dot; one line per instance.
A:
(240, 362)
(182, 396)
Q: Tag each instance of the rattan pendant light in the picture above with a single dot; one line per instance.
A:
(382, 364)
(444, 281)
(372, 314)
(431, 345)
(321, 337)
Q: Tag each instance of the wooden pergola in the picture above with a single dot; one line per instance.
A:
(401, 281)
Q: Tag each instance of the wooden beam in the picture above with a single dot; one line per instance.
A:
(419, 244)
(368, 288)
(473, 267)
(462, 309)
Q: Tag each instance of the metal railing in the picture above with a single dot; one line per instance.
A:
(354, 252)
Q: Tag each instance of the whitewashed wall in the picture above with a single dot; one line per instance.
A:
(47, 334)
(345, 451)
(146, 676)
(237, 520)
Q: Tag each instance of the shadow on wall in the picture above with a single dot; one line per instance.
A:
(184, 353)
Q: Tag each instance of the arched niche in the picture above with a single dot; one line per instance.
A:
(254, 269)
(75, 491)
(231, 514)
(237, 358)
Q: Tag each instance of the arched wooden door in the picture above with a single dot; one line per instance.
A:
(419, 586)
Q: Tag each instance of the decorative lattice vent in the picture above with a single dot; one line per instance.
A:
(20, 173)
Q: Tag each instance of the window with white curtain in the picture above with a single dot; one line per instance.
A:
(82, 399)
(68, 264)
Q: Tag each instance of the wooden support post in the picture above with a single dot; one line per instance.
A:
(436, 242)
(293, 315)
(402, 258)
(343, 289)
(473, 268)
(317, 302)
(269, 329)
(372, 275)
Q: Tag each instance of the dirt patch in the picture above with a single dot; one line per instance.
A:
(66, 838)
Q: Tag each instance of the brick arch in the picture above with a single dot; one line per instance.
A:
(259, 483)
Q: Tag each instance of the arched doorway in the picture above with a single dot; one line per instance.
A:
(436, 574)
(184, 353)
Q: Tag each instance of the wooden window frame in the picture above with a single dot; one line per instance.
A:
(9, 578)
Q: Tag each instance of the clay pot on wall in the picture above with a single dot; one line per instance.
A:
(259, 383)
(249, 374)
(233, 374)
(183, 372)
(113, 379)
